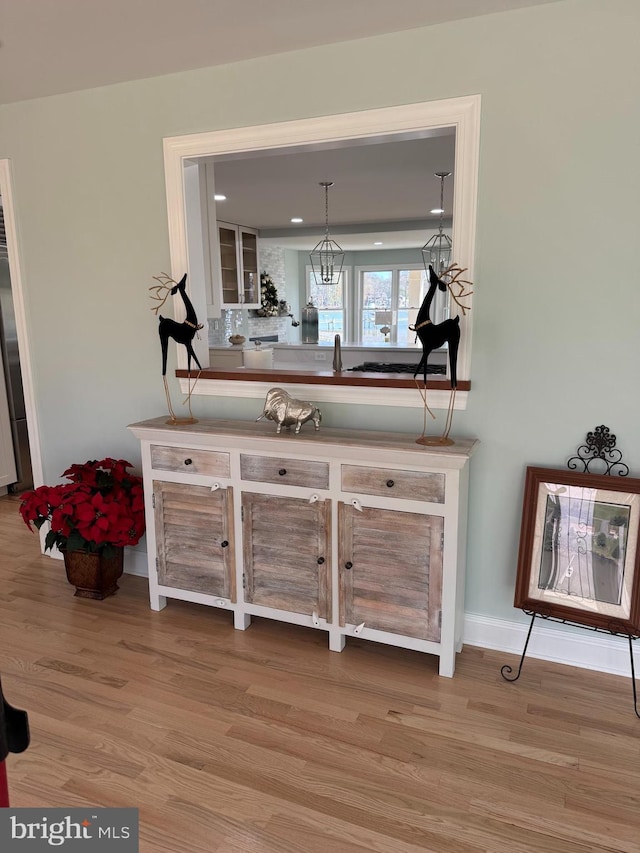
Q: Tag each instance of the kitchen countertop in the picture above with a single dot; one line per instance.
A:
(322, 345)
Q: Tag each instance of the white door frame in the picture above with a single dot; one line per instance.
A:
(6, 190)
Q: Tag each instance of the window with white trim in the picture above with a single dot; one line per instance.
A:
(331, 301)
(389, 297)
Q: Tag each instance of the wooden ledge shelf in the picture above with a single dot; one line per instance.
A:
(327, 377)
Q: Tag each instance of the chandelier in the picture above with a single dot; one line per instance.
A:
(326, 257)
(436, 252)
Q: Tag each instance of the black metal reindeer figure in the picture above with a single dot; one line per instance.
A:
(182, 333)
(434, 335)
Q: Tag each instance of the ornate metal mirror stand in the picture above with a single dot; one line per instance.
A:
(598, 454)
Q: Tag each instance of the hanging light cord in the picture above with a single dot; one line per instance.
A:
(326, 262)
(442, 177)
(326, 209)
(440, 243)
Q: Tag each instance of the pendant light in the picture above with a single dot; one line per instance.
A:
(326, 257)
(437, 250)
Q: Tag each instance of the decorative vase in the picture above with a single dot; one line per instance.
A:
(94, 575)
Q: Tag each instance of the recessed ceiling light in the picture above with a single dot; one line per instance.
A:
(219, 197)
(378, 243)
(297, 219)
(437, 210)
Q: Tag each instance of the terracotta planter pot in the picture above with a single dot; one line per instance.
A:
(93, 575)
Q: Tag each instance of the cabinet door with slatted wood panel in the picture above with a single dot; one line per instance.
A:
(390, 570)
(194, 538)
(287, 553)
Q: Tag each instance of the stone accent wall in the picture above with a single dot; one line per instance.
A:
(272, 262)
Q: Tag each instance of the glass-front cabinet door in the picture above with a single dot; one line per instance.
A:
(240, 278)
(228, 237)
(250, 275)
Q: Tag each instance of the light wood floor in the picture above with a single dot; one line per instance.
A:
(235, 742)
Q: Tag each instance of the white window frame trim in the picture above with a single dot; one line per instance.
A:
(346, 298)
(395, 270)
(463, 114)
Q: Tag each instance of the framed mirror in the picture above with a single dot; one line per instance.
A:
(198, 164)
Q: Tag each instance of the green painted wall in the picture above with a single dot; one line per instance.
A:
(555, 347)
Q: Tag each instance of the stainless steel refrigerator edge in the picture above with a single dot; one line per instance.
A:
(13, 377)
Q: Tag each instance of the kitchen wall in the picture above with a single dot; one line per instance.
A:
(555, 339)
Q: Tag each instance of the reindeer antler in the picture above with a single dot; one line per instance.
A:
(451, 277)
(166, 283)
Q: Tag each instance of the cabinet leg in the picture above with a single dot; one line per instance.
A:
(241, 621)
(447, 665)
(158, 602)
(337, 641)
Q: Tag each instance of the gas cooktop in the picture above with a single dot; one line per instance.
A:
(396, 367)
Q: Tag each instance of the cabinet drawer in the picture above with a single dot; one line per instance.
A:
(392, 483)
(292, 472)
(181, 459)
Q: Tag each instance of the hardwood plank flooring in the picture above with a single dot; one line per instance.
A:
(235, 742)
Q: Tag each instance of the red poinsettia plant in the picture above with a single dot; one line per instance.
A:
(100, 509)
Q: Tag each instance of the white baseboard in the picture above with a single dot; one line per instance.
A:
(135, 562)
(550, 641)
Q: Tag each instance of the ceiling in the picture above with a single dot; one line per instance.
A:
(385, 187)
(48, 47)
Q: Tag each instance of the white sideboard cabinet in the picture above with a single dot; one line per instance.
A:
(354, 533)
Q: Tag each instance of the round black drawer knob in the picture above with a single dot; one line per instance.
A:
(320, 560)
(224, 543)
(390, 483)
(188, 461)
(282, 472)
(348, 565)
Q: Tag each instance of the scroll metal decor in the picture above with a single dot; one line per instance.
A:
(599, 451)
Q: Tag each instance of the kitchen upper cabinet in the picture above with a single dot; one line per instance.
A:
(238, 258)
(231, 269)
